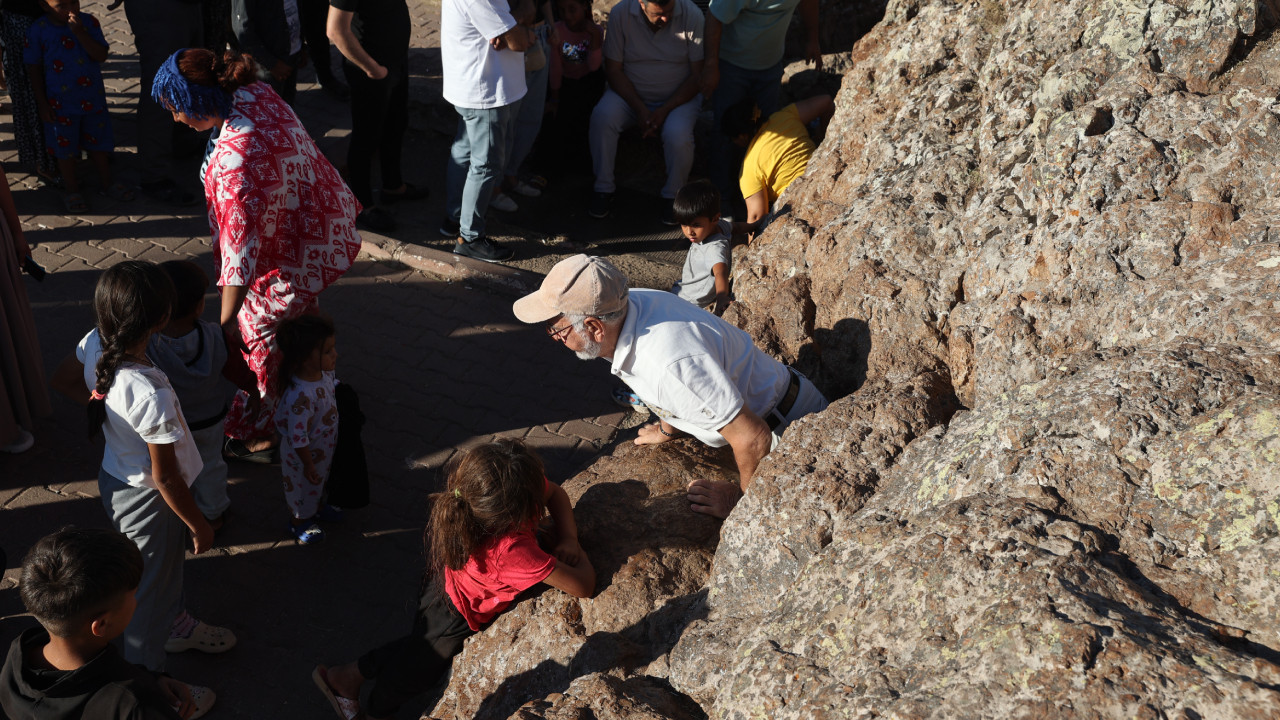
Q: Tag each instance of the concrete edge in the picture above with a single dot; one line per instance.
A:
(446, 265)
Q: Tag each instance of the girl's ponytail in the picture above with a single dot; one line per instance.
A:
(130, 301)
(492, 490)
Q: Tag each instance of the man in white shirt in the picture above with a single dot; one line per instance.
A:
(482, 51)
(653, 62)
(699, 374)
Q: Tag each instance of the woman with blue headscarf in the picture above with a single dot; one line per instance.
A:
(283, 221)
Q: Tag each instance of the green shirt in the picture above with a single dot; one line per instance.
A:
(755, 31)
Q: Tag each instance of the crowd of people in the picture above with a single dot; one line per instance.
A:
(175, 396)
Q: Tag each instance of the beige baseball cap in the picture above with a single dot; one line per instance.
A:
(580, 285)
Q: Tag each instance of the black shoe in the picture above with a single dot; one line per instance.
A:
(376, 219)
(483, 249)
(669, 212)
(168, 192)
(410, 192)
(599, 207)
(450, 228)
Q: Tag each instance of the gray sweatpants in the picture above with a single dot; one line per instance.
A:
(143, 516)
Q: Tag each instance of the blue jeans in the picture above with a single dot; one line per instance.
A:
(529, 117)
(737, 84)
(476, 162)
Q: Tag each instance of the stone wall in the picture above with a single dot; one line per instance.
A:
(1035, 259)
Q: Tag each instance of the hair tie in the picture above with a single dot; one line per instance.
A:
(95, 395)
(457, 494)
(199, 102)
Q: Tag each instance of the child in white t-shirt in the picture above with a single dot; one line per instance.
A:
(150, 459)
(705, 278)
(307, 420)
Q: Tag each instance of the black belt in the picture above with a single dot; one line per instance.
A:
(778, 415)
(207, 423)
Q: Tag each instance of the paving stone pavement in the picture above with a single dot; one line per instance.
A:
(439, 366)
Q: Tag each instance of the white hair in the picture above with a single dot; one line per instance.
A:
(590, 348)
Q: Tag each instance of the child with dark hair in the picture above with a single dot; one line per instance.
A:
(81, 584)
(483, 551)
(307, 420)
(778, 148)
(64, 55)
(705, 278)
(150, 459)
(193, 354)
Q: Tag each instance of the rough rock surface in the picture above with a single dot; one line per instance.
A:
(1036, 257)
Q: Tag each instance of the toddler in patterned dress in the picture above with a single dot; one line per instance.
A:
(306, 417)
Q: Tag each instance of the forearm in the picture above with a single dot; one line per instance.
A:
(687, 91)
(178, 497)
(339, 31)
(561, 511)
(621, 85)
(232, 298)
(711, 42)
(808, 15)
(748, 457)
(96, 51)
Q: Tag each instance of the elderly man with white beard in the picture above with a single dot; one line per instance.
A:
(700, 375)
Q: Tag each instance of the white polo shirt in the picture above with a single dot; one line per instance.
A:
(475, 75)
(694, 370)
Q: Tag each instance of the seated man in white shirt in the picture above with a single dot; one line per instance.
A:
(699, 374)
(653, 63)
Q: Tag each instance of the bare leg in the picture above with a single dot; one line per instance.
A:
(67, 168)
(102, 164)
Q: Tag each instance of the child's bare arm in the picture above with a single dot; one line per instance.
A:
(308, 464)
(720, 271)
(68, 379)
(176, 494)
(577, 580)
(96, 50)
(567, 548)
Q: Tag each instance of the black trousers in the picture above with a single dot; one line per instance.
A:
(313, 14)
(379, 117)
(405, 668)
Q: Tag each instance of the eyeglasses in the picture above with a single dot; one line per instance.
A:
(558, 333)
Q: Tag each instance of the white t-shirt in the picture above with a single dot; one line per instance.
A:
(142, 409)
(694, 370)
(475, 75)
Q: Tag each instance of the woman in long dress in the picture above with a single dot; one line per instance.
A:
(283, 220)
(23, 397)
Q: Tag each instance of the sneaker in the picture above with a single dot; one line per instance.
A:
(483, 249)
(202, 699)
(503, 203)
(306, 534)
(599, 207)
(450, 228)
(523, 188)
(623, 396)
(376, 219)
(330, 513)
(669, 212)
(188, 633)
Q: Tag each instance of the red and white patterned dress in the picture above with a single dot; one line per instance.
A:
(284, 224)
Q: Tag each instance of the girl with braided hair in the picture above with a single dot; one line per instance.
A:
(150, 459)
(283, 221)
(483, 551)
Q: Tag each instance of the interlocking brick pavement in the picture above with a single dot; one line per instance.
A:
(439, 365)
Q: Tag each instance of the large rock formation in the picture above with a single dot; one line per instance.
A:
(1035, 254)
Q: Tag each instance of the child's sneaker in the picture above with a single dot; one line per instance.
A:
(306, 534)
(330, 513)
(188, 633)
(623, 396)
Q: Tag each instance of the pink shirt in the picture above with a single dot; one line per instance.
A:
(575, 57)
(496, 574)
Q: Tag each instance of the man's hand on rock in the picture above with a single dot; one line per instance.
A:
(713, 498)
(652, 434)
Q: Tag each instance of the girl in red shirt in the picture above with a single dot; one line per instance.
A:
(483, 552)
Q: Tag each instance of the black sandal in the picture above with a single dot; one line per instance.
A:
(235, 449)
